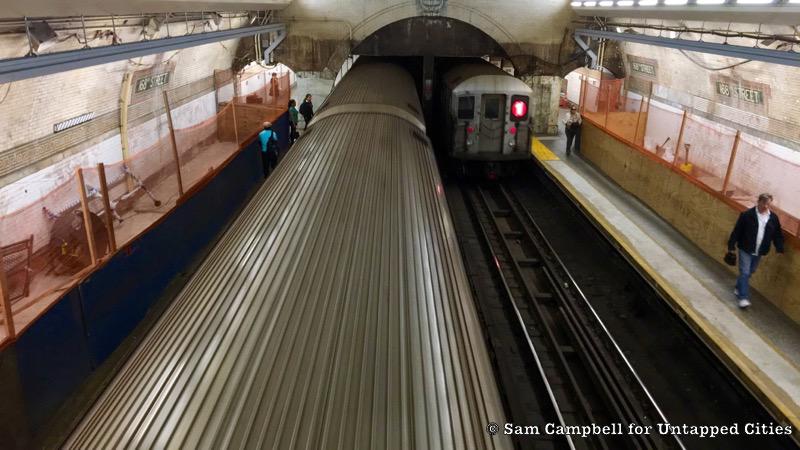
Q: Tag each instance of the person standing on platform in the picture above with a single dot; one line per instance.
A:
(754, 232)
(572, 128)
(307, 110)
(293, 121)
(269, 148)
(274, 87)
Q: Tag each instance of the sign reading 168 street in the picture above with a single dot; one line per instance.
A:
(151, 81)
(742, 93)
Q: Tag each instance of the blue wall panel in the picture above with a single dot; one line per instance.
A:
(56, 354)
(52, 358)
(118, 295)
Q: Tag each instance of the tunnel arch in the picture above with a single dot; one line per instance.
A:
(425, 35)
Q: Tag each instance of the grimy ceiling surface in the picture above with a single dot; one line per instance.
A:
(63, 8)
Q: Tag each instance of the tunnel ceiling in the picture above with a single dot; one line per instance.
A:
(439, 36)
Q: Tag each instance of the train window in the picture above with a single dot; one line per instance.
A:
(466, 107)
(491, 108)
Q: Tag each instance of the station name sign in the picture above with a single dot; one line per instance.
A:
(146, 81)
(644, 68)
(151, 81)
(742, 93)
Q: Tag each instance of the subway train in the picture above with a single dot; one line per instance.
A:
(486, 118)
(335, 312)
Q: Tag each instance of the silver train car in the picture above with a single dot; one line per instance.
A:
(335, 312)
(487, 116)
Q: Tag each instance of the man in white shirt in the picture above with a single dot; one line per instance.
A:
(756, 229)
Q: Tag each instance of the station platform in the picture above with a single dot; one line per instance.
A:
(760, 344)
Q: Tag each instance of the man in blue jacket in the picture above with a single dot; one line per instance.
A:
(756, 229)
(269, 148)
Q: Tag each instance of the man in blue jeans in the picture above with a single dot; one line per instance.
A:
(756, 229)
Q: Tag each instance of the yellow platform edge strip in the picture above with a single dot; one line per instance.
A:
(768, 390)
(541, 152)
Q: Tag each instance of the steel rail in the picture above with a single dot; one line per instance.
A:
(479, 207)
(602, 362)
(597, 320)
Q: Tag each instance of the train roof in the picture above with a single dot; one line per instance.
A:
(483, 77)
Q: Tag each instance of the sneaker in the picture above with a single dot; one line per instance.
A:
(744, 303)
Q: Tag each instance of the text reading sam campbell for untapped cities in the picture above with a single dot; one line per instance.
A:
(703, 431)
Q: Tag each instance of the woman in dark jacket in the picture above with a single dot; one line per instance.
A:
(307, 110)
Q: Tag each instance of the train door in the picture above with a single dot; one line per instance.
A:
(492, 123)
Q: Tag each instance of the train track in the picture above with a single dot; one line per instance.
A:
(578, 374)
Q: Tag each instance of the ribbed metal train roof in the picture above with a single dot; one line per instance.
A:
(334, 313)
(483, 77)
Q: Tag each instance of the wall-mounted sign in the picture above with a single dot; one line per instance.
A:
(740, 93)
(151, 81)
(643, 67)
(147, 81)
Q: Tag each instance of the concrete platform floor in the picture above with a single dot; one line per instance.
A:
(767, 340)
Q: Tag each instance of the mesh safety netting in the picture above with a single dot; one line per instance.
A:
(699, 148)
(44, 245)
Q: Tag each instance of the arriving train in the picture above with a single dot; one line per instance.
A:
(335, 313)
(487, 117)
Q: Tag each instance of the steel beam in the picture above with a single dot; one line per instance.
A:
(585, 47)
(36, 66)
(785, 58)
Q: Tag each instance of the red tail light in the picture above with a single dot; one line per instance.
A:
(519, 109)
(470, 130)
(512, 130)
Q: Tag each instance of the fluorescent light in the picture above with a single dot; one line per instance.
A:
(606, 3)
(710, 2)
(590, 4)
(675, 2)
(630, 2)
(648, 2)
(575, 4)
(753, 2)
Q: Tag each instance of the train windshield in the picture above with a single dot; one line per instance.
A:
(491, 108)
(466, 107)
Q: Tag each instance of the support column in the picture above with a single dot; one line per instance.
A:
(544, 103)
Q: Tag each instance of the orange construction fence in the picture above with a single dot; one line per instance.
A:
(732, 165)
(47, 246)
